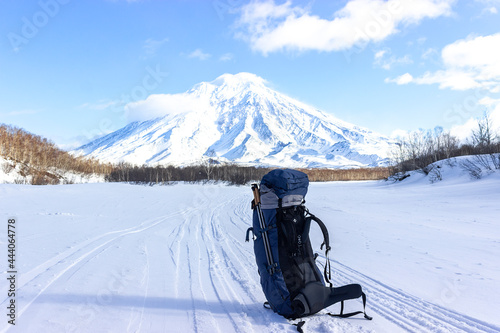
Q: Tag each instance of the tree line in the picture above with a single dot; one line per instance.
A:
(421, 149)
(40, 160)
(231, 173)
(326, 175)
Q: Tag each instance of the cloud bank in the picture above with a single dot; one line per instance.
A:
(269, 27)
(160, 105)
(471, 63)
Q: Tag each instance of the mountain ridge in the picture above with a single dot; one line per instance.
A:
(237, 118)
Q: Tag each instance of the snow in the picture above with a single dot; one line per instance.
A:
(240, 120)
(110, 257)
(10, 173)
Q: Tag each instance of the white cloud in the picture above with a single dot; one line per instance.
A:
(490, 6)
(455, 80)
(226, 57)
(464, 131)
(402, 79)
(491, 10)
(159, 105)
(380, 54)
(385, 60)
(489, 101)
(430, 53)
(151, 46)
(399, 134)
(469, 63)
(199, 54)
(421, 40)
(451, 78)
(481, 53)
(100, 105)
(269, 27)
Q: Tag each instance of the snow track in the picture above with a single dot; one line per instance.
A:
(408, 312)
(73, 259)
(142, 263)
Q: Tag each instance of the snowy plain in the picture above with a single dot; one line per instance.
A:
(131, 258)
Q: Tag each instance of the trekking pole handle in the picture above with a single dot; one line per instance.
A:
(256, 194)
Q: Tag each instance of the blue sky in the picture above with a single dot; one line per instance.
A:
(68, 68)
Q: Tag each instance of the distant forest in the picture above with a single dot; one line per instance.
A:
(39, 161)
(210, 170)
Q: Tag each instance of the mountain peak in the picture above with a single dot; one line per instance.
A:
(227, 86)
(237, 118)
(242, 78)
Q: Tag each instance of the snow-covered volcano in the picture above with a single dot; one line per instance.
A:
(238, 118)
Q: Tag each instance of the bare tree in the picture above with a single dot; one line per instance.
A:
(484, 137)
(209, 162)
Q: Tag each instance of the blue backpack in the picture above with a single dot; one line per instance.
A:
(292, 283)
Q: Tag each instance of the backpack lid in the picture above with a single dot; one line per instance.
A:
(285, 183)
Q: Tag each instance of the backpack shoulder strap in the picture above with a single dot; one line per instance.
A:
(326, 241)
(324, 230)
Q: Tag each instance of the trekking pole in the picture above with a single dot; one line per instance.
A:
(256, 194)
(262, 223)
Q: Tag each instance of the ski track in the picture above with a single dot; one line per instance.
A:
(214, 269)
(190, 276)
(72, 258)
(175, 253)
(136, 318)
(146, 281)
(410, 313)
(212, 266)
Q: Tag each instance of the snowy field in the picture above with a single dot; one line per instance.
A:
(130, 258)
